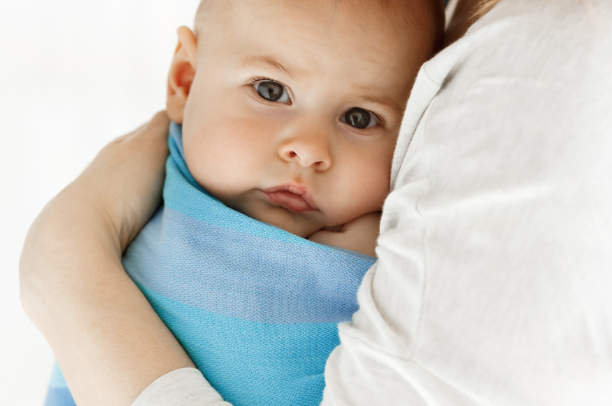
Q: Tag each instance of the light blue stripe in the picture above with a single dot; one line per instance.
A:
(271, 284)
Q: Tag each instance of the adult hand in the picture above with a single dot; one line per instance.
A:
(74, 287)
(116, 194)
(359, 235)
(124, 182)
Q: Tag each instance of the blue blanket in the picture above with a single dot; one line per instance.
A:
(255, 307)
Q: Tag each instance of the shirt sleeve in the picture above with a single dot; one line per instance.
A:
(493, 273)
(181, 387)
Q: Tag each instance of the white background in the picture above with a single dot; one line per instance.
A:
(73, 75)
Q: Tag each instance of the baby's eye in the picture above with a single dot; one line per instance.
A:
(272, 91)
(360, 118)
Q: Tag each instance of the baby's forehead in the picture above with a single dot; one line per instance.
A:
(422, 13)
(354, 42)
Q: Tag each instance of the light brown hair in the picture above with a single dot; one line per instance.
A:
(483, 6)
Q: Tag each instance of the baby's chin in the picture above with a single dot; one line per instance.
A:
(300, 224)
(292, 223)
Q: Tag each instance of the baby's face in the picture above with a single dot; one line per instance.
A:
(295, 107)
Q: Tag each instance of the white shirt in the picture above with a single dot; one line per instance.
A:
(495, 255)
(494, 271)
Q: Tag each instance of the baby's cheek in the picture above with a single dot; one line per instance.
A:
(373, 187)
(354, 203)
(368, 175)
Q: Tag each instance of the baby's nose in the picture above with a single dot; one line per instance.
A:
(307, 151)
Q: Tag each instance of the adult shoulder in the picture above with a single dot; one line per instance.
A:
(491, 285)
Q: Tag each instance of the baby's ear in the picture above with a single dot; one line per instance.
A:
(182, 72)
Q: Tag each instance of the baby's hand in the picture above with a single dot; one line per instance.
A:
(359, 235)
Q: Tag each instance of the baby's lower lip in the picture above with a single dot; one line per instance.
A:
(288, 200)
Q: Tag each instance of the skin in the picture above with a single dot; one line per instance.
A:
(239, 143)
(73, 286)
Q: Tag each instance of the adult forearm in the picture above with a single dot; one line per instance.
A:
(109, 342)
(107, 339)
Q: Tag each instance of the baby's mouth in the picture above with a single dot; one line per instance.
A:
(292, 197)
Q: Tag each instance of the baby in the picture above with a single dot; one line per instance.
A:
(291, 109)
(286, 114)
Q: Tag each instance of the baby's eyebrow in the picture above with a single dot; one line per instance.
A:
(267, 60)
(386, 101)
